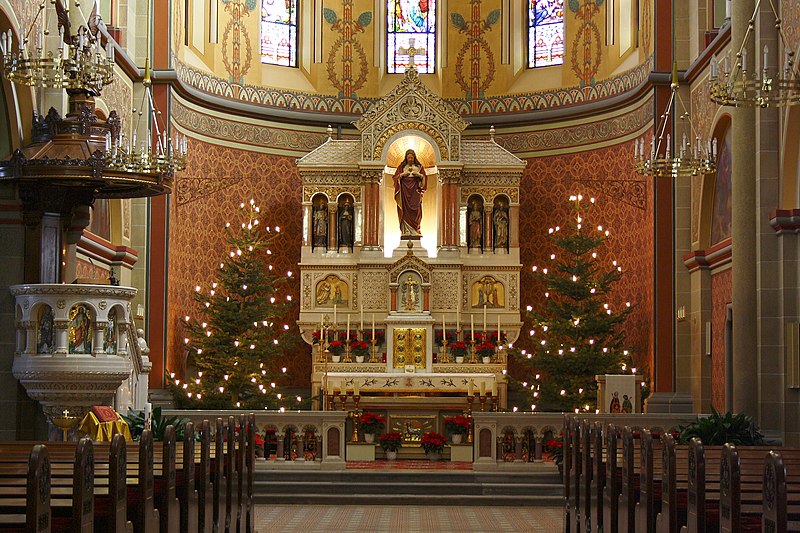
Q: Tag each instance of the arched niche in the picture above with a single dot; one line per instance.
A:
(501, 223)
(319, 222)
(345, 223)
(427, 154)
(474, 223)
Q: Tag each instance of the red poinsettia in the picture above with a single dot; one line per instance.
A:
(371, 422)
(336, 348)
(391, 442)
(359, 348)
(433, 442)
(458, 349)
(457, 425)
(485, 349)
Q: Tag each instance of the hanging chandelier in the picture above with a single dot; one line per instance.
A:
(71, 57)
(695, 156)
(166, 157)
(734, 83)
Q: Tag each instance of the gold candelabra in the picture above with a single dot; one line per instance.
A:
(738, 86)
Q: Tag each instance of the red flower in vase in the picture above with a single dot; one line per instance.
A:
(371, 422)
(433, 442)
(485, 349)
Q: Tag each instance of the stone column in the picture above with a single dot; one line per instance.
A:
(21, 336)
(279, 453)
(426, 298)
(122, 340)
(30, 336)
(537, 448)
(308, 223)
(300, 448)
(333, 234)
(99, 335)
(743, 235)
(62, 337)
(449, 178)
(488, 245)
(513, 226)
(371, 178)
(518, 448)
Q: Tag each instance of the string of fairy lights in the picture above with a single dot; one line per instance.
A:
(535, 385)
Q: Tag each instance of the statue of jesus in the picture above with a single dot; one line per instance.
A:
(410, 182)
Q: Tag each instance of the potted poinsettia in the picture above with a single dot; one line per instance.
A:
(433, 444)
(457, 426)
(391, 443)
(337, 349)
(459, 350)
(370, 424)
(360, 349)
(485, 351)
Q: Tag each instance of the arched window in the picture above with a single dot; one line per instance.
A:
(410, 31)
(279, 32)
(545, 33)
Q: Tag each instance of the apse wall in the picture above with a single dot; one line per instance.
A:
(234, 159)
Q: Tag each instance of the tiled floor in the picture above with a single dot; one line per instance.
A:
(405, 519)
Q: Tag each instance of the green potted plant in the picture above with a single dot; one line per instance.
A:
(717, 429)
(433, 444)
(555, 447)
(457, 426)
(391, 443)
(371, 423)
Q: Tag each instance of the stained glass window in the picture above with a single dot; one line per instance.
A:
(545, 33)
(279, 32)
(411, 31)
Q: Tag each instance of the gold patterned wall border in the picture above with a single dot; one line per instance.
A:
(490, 193)
(630, 192)
(490, 179)
(332, 192)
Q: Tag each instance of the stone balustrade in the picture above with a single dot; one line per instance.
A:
(76, 347)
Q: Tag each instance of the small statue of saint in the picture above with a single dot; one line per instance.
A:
(411, 289)
(46, 326)
(346, 224)
(475, 225)
(500, 219)
(410, 182)
(320, 226)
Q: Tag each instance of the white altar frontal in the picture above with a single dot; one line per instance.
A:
(410, 260)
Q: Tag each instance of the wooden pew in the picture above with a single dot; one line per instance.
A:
(220, 482)
(598, 482)
(250, 464)
(566, 462)
(205, 513)
(37, 518)
(231, 477)
(186, 483)
(627, 498)
(145, 517)
(118, 486)
(646, 506)
(667, 519)
(241, 475)
(613, 488)
(576, 477)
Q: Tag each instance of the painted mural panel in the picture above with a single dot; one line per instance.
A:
(411, 31)
(721, 218)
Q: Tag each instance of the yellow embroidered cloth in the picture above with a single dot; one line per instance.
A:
(104, 431)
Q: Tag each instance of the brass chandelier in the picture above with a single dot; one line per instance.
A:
(75, 61)
(733, 83)
(695, 156)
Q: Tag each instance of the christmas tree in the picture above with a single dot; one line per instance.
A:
(235, 342)
(575, 332)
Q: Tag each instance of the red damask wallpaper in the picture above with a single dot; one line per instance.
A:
(209, 196)
(721, 289)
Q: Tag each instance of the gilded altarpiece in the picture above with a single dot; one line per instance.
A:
(406, 291)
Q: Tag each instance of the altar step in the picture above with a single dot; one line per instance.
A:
(404, 487)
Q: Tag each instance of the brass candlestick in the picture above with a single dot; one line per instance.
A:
(374, 351)
(472, 352)
(347, 358)
(355, 416)
(482, 399)
(468, 414)
(65, 422)
(445, 358)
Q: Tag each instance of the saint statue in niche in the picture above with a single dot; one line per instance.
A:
(80, 325)
(411, 293)
(320, 225)
(110, 336)
(410, 182)
(475, 224)
(46, 326)
(346, 224)
(500, 221)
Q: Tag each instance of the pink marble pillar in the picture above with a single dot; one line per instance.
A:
(449, 178)
(513, 236)
(332, 233)
(371, 179)
(488, 246)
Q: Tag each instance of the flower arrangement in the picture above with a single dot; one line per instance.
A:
(433, 442)
(555, 447)
(457, 425)
(379, 336)
(336, 348)
(485, 349)
(360, 348)
(343, 336)
(493, 337)
(391, 442)
(451, 337)
(371, 422)
(458, 349)
(315, 336)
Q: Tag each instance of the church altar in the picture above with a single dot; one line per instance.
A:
(410, 260)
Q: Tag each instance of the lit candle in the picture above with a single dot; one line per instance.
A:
(499, 339)
(483, 388)
(334, 315)
(444, 328)
(321, 326)
(355, 388)
(484, 317)
(348, 326)
(373, 325)
(458, 318)
(362, 317)
(494, 388)
(472, 326)
(470, 387)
